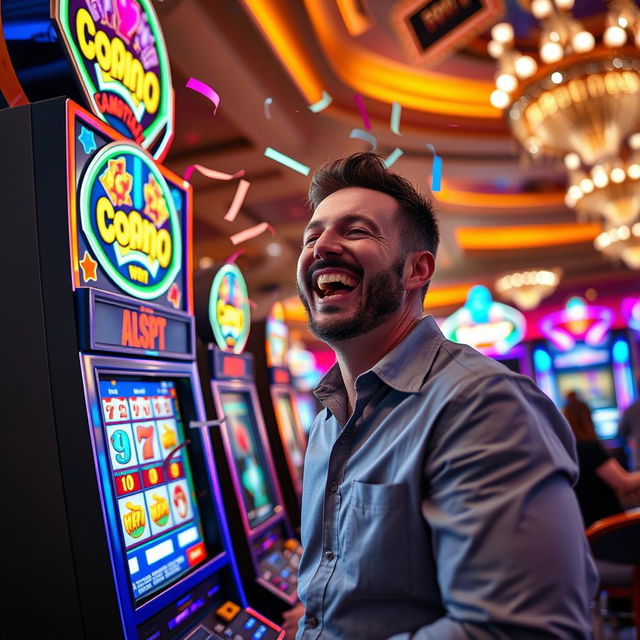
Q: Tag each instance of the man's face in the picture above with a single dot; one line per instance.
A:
(350, 269)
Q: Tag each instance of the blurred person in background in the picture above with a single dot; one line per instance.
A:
(629, 430)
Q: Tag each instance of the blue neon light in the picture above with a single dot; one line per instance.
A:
(621, 351)
(542, 360)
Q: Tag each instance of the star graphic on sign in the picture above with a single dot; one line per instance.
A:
(88, 266)
(87, 140)
(174, 295)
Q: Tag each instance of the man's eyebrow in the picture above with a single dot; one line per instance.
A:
(346, 220)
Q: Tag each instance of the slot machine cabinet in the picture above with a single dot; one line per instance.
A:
(269, 343)
(269, 564)
(120, 529)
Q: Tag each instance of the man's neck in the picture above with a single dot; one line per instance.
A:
(359, 354)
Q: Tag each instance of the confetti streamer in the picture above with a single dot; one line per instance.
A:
(211, 173)
(251, 232)
(363, 111)
(234, 256)
(366, 136)
(205, 90)
(436, 174)
(287, 161)
(267, 108)
(391, 159)
(396, 111)
(238, 199)
(323, 103)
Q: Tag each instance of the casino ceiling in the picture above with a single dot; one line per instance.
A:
(500, 210)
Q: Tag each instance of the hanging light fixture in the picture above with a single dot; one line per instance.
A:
(526, 289)
(579, 99)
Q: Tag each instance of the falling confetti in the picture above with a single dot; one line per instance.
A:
(251, 232)
(323, 103)
(436, 174)
(391, 159)
(205, 90)
(396, 111)
(211, 173)
(267, 108)
(238, 199)
(363, 111)
(364, 135)
(287, 161)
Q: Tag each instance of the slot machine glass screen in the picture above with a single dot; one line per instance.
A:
(249, 458)
(287, 422)
(155, 504)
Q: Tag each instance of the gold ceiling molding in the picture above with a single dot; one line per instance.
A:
(525, 236)
(363, 70)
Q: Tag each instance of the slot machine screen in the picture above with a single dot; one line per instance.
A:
(593, 385)
(249, 458)
(152, 481)
(289, 429)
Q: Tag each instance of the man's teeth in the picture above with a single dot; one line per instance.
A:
(325, 280)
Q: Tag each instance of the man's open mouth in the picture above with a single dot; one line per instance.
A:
(332, 284)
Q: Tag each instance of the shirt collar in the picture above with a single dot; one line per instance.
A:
(403, 368)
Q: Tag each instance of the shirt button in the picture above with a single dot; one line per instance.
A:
(329, 555)
(334, 486)
(312, 622)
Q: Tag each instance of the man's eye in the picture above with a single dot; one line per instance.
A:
(310, 240)
(356, 231)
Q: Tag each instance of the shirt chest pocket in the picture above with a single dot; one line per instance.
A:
(377, 552)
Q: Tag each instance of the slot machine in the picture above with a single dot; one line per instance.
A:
(271, 555)
(121, 528)
(269, 344)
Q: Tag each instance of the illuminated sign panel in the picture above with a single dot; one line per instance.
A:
(130, 217)
(433, 29)
(229, 309)
(490, 327)
(119, 54)
(138, 243)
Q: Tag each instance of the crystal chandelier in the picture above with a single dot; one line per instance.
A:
(579, 99)
(526, 289)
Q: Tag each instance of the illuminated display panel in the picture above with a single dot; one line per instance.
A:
(258, 494)
(290, 433)
(151, 478)
(593, 385)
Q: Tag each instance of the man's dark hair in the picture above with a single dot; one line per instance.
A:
(419, 227)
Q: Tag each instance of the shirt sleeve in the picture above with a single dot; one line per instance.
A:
(508, 539)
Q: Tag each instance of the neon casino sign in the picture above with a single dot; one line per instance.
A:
(577, 321)
(490, 327)
(277, 337)
(129, 219)
(118, 51)
(229, 313)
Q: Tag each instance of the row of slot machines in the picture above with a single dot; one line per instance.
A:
(149, 496)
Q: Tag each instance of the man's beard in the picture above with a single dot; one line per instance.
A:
(383, 296)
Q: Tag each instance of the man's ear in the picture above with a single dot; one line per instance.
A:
(420, 267)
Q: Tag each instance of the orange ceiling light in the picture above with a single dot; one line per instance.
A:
(355, 22)
(390, 81)
(363, 70)
(499, 200)
(280, 31)
(447, 296)
(525, 236)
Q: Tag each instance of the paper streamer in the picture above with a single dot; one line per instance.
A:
(238, 199)
(205, 90)
(363, 111)
(251, 232)
(323, 103)
(267, 108)
(436, 173)
(390, 160)
(211, 173)
(396, 112)
(366, 136)
(287, 161)
(234, 256)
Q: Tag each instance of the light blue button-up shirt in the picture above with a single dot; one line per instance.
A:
(442, 508)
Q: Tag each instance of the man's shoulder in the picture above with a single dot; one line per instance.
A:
(461, 364)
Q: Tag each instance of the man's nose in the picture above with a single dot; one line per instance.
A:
(328, 243)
